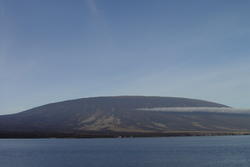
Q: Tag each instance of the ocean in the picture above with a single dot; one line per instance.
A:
(205, 151)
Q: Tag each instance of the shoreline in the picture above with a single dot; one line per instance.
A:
(33, 135)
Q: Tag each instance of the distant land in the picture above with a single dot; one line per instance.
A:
(126, 116)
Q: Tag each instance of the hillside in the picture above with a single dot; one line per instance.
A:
(123, 116)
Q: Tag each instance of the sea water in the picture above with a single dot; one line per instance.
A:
(207, 151)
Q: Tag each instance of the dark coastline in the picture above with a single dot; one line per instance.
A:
(37, 135)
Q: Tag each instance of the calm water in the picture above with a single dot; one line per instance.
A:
(226, 151)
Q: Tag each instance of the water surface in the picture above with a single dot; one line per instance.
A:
(223, 151)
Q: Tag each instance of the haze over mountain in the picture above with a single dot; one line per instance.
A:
(124, 115)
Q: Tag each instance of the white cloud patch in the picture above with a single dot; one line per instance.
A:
(198, 109)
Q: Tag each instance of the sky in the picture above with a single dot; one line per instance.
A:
(54, 50)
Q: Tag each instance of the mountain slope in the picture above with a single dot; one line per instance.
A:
(122, 115)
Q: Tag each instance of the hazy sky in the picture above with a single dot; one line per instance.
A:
(53, 50)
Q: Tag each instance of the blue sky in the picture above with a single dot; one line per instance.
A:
(53, 50)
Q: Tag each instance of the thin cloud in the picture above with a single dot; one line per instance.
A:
(98, 18)
(93, 8)
(198, 109)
